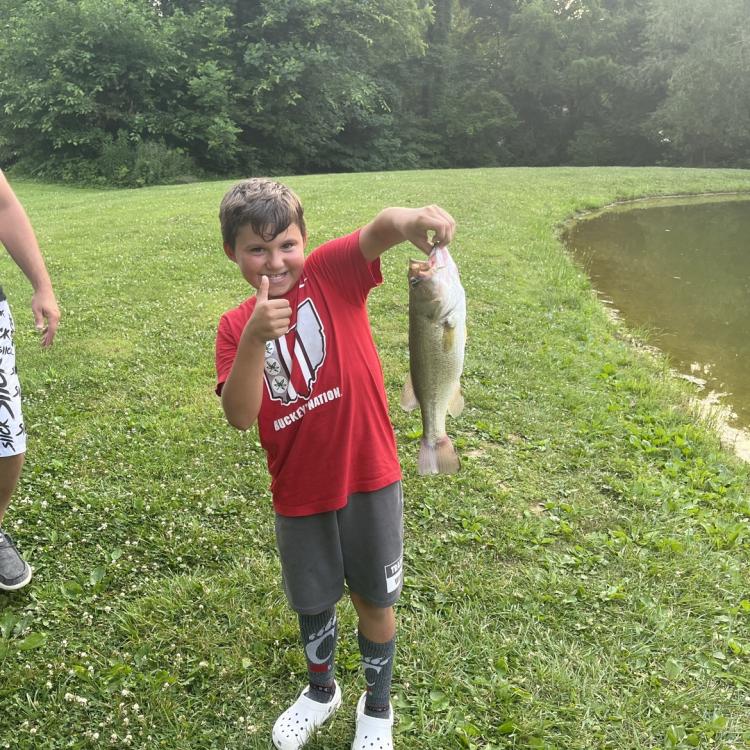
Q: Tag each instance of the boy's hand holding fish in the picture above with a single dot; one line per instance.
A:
(424, 227)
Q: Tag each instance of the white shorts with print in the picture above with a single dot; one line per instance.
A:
(12, 432)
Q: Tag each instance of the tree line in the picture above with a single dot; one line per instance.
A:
(136, 92)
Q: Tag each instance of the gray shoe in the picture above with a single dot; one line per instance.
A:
(15, 573)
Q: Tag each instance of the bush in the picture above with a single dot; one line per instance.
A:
(125, 163)
(122, 162)
(156, 164)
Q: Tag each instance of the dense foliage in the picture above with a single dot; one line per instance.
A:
(134, 92)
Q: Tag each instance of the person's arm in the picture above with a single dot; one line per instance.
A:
(17, 235)
(242, 394)
(395, 225)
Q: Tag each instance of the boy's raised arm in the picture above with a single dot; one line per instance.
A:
(18, 237)
(395, 225)
(242, 395)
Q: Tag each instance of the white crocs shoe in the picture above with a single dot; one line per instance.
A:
(298, 723)
(372, 733)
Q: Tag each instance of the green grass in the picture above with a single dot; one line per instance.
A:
(582, 583)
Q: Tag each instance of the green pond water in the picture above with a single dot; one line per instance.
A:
(681, 272)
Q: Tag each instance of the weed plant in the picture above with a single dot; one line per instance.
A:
(582, 583)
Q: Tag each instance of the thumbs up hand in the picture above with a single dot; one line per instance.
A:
(271, 317)
(262, 294)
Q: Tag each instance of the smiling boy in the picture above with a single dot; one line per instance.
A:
(298, 357)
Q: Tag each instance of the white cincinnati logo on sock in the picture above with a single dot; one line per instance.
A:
(376, 664)
(316, 640)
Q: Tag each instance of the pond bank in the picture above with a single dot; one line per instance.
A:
(626, 243)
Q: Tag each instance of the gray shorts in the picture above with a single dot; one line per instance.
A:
(361, 544)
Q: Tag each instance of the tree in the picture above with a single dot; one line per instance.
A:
(84, 84)
(469, 87)
(700, 50)
(573, 77)
(608, 98)
(316, 72)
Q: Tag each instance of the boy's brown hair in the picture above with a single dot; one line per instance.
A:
(266, 205)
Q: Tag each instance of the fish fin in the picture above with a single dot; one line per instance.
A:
(449, 336)
(408, 399)
(456, 405)
(440, 458)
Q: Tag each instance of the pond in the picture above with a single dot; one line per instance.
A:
(681, 272)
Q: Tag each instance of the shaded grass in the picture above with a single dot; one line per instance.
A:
(582, 583)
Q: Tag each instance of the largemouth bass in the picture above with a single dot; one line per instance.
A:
(437, 337)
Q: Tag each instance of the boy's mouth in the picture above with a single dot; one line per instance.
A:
(276, 277)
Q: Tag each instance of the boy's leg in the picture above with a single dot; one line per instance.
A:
(377, 646)
(14, 572)
(372, 533)
(10, 472)
(313, 575)
(319, 633)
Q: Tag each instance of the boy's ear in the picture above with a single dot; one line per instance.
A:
(229, 250)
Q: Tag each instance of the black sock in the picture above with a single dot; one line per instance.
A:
(377, 663)
(319, 640)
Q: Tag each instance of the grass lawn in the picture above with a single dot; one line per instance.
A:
(582, 583)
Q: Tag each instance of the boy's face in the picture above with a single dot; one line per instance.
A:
(280, 259)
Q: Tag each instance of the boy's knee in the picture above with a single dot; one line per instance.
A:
(372, 612)
(10, 468)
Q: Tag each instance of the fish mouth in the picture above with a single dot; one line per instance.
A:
(418, 271)
(423, 270)
(425, 264)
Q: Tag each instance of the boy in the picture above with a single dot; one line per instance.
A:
(17, 235)
(299, 358)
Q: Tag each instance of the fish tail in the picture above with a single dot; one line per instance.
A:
(438, 458)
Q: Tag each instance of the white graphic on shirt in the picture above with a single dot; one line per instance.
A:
(291, 374)
(272, 366)
(294, 416)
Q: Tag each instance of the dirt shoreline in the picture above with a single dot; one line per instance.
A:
(709, 409)
(718, 417)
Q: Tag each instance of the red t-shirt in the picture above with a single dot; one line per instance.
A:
(324, 420)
